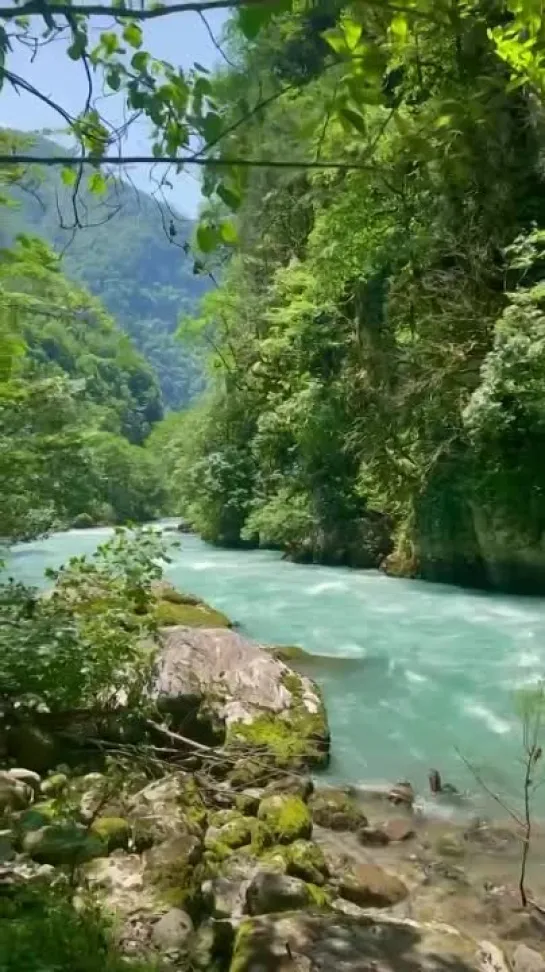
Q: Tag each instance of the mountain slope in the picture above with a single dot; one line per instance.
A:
(124, 255)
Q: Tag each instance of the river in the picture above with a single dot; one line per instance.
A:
(416, 673)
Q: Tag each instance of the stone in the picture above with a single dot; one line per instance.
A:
(491, 958)
(212, 946)
(232, 834)
(7, 848)
(373, 836)
(369, 886)
(301, 786)
(336, 810)
(257, 699)
(55, 785)
(165, 809)
(398, 829)
(286, 817)
(451, 845)
(271, 891)
(14, 794)
(527, 960)
(32, 747)
(27, 776)
(248, 803)
(332, 942)
(66, 843)
(306, 860)
(171, 868)
(114, 832)
(402, 793)
(172, 931)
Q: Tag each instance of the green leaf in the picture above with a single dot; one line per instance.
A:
(354, 118)
(212, 126)
(352, 32)
(113, 79)
(255, 16)
(97, 184)
(336, 40)
(207, 237)
(399, 29)
(229, 233)
(132, 33)
(68, 176)
(110, 42)
(77, 47)
(139, 61)
(229, 196)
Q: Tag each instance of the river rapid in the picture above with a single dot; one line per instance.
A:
(413, 674)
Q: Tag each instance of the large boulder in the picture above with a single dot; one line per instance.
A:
(231, 683)
(62, 844)
(310, 941)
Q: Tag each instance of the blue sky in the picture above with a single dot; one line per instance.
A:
(180, 39)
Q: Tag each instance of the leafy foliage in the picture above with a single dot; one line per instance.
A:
(376, 342)
(88, 644)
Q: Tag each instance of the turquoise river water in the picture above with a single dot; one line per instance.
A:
(415, 673)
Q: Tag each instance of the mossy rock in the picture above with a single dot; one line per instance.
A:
(336, 810)
(114, 832)
(247, 804)
(289, 653)
(230, 835)
(163, 590)
(175, 870)
(286, 817)
(200, 615)
(55, 785)
(305, 860)
(272, 891)
(62, 844)
(251, 771)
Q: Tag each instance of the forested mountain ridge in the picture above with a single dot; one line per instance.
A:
(125, 256)
(381, 332)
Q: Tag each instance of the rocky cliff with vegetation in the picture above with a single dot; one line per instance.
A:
(378, 338)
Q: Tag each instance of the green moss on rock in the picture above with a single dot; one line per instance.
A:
(306, 860)
(114, 832)
(234, 833)
(198, 615)
(336, 810)
(287, 818)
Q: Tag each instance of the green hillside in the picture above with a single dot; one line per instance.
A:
(124, 255)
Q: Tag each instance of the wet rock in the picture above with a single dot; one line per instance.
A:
(270, 891)
(402, 794)
(59, 844)
(398, 829)
(301, 786)
(286, 818)
(336, 810)
(373, 837)
(527, 960)
(369, 886)
(331, 942)
(451, 845)
(491, 958)
(171, 932)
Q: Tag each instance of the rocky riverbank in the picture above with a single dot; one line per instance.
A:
(201, 832)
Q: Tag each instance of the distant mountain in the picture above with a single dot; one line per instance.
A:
(125, 256)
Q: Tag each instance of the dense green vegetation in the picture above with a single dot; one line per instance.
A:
(76, 404)
(124, 254)
(379, 337)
